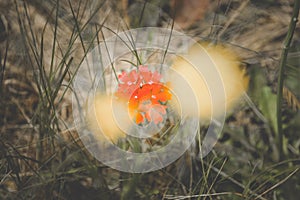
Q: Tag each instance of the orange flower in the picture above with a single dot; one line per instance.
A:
(145, 94)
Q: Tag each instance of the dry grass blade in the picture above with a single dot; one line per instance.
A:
(233, 17)
(291, 99)
(203, 195)
(278, 184)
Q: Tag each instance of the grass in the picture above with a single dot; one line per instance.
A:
(283, 60)
(42, 156)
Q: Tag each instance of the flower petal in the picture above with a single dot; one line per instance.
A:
(139, 118)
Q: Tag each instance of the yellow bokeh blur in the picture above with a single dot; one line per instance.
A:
(205, 57)
(102, 121)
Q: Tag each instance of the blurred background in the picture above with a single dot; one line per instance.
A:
(43, 43)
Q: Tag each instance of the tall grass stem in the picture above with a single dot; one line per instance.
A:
(282, 66)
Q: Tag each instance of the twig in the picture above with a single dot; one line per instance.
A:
(282, 65)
